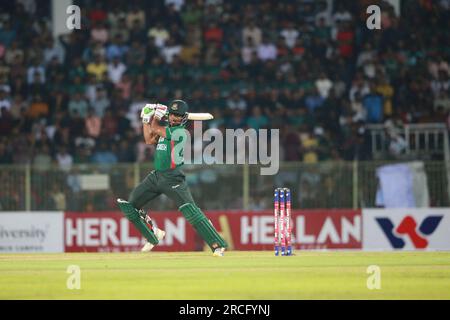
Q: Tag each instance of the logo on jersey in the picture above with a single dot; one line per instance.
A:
(161, 146)
(408, 228)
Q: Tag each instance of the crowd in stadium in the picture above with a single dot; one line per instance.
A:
(319, 75)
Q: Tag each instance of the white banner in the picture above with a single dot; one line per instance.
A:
(31, 232)
(406, 229)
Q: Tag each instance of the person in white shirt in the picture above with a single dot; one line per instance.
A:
(247, 51)
(171, 50)
(115, 70)
(64, 159)
(159, 34)
(290, 35)
(342, 15)
(35, 68)
(252, 31)
(266, 50)
(324, 85)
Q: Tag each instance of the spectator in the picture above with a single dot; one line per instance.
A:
(135, 15)
(5, 102)
(78, 105)
(101, 102)
(341, 15)
(104, 155)
(159, 34)
(373, 104)
(7, 34)
(126, 153)
(236, 102)
(116, 49)
(14, 52)
(124, 86)
(237, 120)
(266, 50)
(290, 34)
(109, 124)
(324, 85)
(257, 120)
(214, 34)
(170, 50)
(6, 122)
(177, 4)
(5, 155)
(313, 100)
(38, 108)
(53, 50)
(253, 32)
(98, 68)
(17, 106)
(64, 159)
(115, 70)
(93, 124)
(309, 147)
(137, 33)
(119, 28)
(99, 33)
(42, 160)
(35, 69)
(97, 14)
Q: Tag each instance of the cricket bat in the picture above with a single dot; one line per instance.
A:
(202, 116)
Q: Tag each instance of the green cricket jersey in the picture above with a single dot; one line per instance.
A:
(169, 150)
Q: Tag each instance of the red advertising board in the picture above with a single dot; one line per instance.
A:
(311, 229)
(243, 230)
(111, 232)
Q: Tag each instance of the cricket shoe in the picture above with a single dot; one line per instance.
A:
(219, 252)
(160, 234)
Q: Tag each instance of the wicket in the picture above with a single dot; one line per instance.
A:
(282, 221)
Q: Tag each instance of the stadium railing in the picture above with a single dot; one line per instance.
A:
(93, 187)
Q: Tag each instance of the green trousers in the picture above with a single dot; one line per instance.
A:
(172, 183)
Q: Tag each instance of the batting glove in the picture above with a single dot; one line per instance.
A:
(149, 108)
(160, 111)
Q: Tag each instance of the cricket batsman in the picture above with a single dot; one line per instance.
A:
(167, 178)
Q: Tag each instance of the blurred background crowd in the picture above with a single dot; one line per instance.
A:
(310, 68)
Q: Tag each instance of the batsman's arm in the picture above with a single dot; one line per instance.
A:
(150, 137)
(157, 128)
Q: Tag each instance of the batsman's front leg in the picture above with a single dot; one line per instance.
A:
(204, 227)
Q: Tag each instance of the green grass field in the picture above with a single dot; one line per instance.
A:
(238, 275)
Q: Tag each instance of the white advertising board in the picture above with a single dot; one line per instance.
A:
(31, 232)
(406, 229)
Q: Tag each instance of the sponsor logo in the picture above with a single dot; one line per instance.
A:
(311, 231)
(408, 227)
(161, 147)
(31, 232)
(112, 232)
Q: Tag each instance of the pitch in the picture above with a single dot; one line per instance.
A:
(238, 275)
